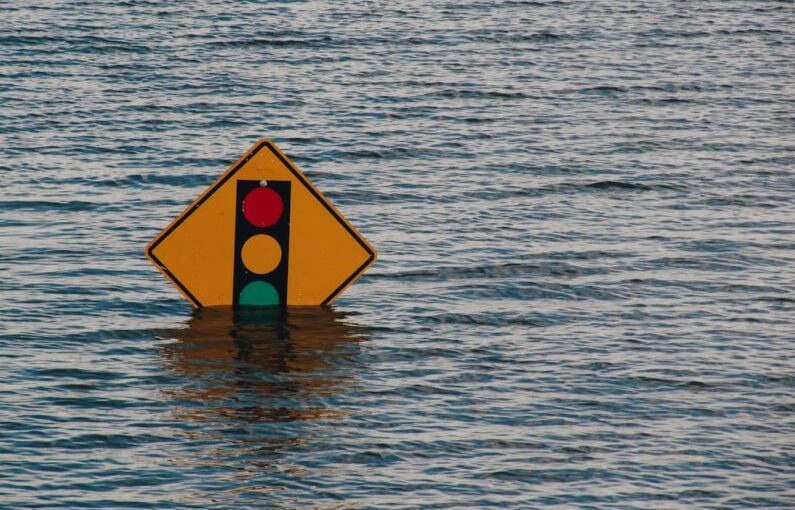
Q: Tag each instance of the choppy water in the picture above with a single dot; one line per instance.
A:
(586, 283)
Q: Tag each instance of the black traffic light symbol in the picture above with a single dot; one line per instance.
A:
(262, 243)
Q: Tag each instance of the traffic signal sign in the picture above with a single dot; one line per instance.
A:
(262, 243)
(261, 234)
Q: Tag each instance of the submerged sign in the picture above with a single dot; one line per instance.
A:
(261, 235)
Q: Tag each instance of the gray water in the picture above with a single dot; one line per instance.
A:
(586, 280)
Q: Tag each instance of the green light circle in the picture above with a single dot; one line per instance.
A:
(259, 294)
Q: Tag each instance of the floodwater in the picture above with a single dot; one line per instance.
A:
(585, 289)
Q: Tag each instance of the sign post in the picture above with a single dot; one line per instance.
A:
(261, 235)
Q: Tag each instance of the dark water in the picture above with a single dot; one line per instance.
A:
(586, 284)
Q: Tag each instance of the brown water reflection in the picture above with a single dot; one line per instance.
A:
(262, 366)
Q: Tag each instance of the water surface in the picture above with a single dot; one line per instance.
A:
(586, 284)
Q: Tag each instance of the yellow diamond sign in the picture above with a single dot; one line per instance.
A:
(261, 235)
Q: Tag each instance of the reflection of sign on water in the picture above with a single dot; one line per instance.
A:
(262, 365)
(262, 234)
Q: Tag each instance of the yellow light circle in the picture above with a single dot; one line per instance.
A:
(261, 254)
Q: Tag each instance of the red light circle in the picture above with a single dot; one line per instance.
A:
(262, 207)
